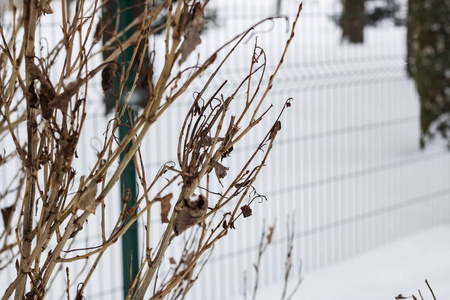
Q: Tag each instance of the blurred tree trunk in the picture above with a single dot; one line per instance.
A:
(409, 36)
(353, 21)
(430, 63)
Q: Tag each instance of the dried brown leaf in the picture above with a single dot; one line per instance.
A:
(243, 184)
(46, 94)
(69, 146)
(191, 37)
(46, 8)
(276, 127)
(6, 214)
(108, 76)
(87, 198)
(232, 225)
(190, 214)
(270, 235)
(34, 72)
(246, 211)
(98, 31)
(172, 261)
(165, 207)
(221, 170)
(32, 97)
(62, 100)
(226, 153)
(207, 141)
(47, 112)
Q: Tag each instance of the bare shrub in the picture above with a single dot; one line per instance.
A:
(48, 203)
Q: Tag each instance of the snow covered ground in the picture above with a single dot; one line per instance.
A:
(398, 268)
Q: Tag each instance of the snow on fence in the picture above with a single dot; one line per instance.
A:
(346, 168)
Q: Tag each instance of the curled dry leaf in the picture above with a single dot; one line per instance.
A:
(108, 76)
(98, 31)
(34, 72)
(62, 100)
(47, 91)
(288, 102)
(165, 207)
(276, 127)
(6, 214)
(45, 7)
(207, 141)
(190, 214)
(242, 184)
(227, 153)
(270, 235)
(87, 198)
(32, 97)
(46, 94)
(232, 225)
(69, 146)
(246, 211)
(191, 37)
(221, 170)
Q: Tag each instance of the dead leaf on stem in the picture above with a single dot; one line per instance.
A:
(108, 76)
(191, 36)
(46, 8)
(165, 207)
(98, 31)
(62, 100)
(190, 214)
(69, 146)
(276, 127)
(32, 97)
(242, 184)
(246, 211)
(221, 170)
(270, 235)
(207, 141)
(47, 93)
(87, 198)
(6, 213)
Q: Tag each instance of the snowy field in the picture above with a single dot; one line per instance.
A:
(398, 268)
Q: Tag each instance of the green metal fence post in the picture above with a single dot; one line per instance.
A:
(130, 255)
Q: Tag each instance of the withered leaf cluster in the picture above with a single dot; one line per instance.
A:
(246, 211)
(108, 75)
(192, 34)
(6, 214)
(191, 212)
(87, 198)
(220, 170)
(165, 207)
